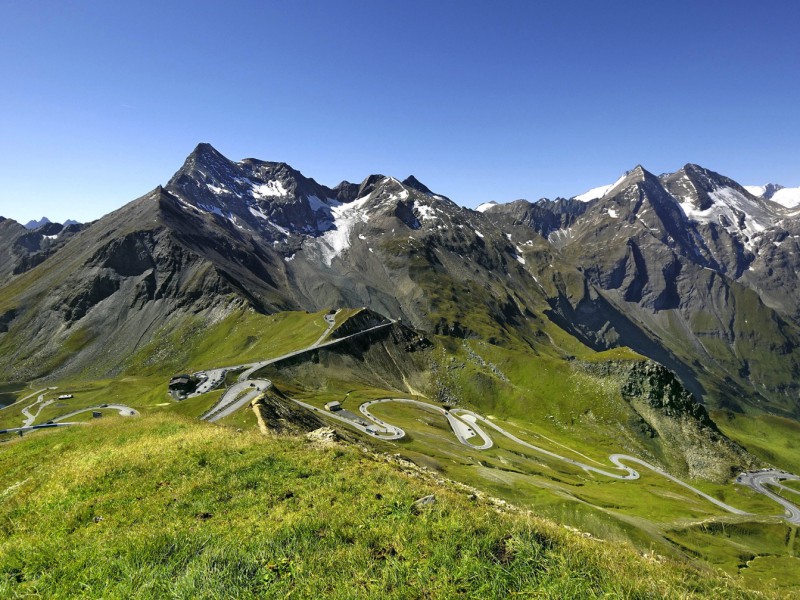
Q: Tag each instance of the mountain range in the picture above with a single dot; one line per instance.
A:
(653, 320)
(690, 269)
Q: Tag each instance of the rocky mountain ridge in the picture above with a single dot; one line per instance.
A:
(689, 268)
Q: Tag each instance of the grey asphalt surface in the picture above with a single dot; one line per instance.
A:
(459, 427)
(387, 432)
(238, 395)
(35, 427)
(758, 481)
(124, 411)
(31, 418)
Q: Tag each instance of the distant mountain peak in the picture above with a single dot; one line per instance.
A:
(766, 191)
(637, 174)
(36, 224)
(416, 184)
(485, 206)
(785, 196)
(369, 184)
(205, 149)
(708, 179)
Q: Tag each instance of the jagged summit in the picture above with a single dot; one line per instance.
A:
(416, 184)
(766, 191)
(637, 174)
(486, 206)
(205, 149)
(32, 224)
(44, 221)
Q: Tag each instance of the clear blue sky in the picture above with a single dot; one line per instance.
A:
(101, 101)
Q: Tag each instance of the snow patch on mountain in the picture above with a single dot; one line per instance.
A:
(756, 190)
(270, 189)
(336, 240)
(212, 209)
(733, 211)
(593, 194)
(766, 191)
(256, 212)
(485, 206)
(216, 189)
(788, 197)
(424, 212)
(317, 205)
(598, 192)
(561, 237)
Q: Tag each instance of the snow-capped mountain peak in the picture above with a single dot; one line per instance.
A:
(593, 194)
(485, 206)
(765, 191)
(262, 196)
(605, 190)
(786, 197)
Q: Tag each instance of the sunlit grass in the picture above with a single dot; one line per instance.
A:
(166, 507)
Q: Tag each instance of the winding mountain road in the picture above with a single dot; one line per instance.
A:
(124, 411)
(464, 424)
(760, 479)
(23, 399)
(28, 423)
(472, 418)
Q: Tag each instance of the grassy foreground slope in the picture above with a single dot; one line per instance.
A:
(167, 507)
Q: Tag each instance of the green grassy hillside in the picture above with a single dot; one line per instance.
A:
(163, 506)
(560, 405)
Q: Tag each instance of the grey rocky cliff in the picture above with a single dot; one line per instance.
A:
(672, 424)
